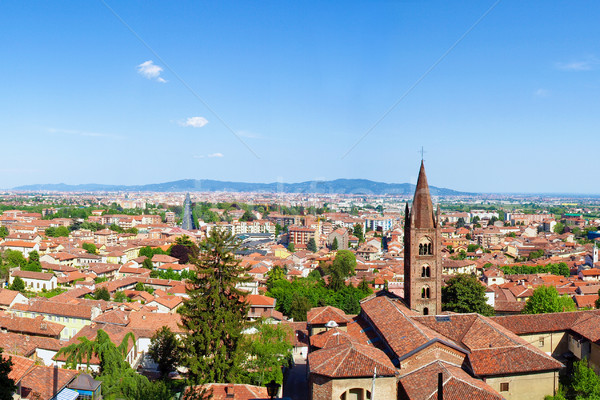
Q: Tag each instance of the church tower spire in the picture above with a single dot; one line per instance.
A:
(422, 256)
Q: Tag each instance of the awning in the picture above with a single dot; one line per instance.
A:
(66, 394)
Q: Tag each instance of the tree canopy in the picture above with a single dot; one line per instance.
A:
(465, 294)
(268, 350)
(545, 299)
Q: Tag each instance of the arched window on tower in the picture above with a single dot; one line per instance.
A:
(426, 311)
(425, 292)
(425, 271)
(425, 246)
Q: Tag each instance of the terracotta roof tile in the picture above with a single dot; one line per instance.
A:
(350, 360)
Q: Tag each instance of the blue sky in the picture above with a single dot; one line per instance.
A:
(152, 91)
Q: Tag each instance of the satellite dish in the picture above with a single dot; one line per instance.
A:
(331, 324)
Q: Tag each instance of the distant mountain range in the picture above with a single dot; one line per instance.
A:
(338, 186)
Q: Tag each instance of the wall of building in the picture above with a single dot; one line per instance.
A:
(385, 388)
(553, 343)
(534, 386)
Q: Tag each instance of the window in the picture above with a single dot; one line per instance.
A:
(425, 246)
(426, 271)
(541, 341)
(426, 311)
(504, 387)
(425, 292)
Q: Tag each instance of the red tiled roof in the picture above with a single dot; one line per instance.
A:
(38, 383)
(231, 391)
(322, 315)
(421, 384)
(350, 360)
(330, 338)
(20, 366)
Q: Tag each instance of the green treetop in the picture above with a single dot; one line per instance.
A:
(545, 299)
(465, 294)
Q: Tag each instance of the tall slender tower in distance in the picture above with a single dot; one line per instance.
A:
(422, 253)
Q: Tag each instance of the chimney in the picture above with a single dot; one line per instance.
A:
(55, 382)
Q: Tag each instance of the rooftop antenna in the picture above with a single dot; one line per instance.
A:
(422, 151)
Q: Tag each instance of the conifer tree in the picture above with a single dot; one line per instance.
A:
(334, 245)
(214, 315)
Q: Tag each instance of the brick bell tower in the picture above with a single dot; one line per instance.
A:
(422, 255)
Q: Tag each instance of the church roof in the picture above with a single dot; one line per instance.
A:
(421, 384)
(350, 360)
(422, 214)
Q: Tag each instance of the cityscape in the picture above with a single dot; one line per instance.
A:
(301, 201)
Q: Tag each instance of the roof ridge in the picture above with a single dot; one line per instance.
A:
(343, 358)
(499, 331)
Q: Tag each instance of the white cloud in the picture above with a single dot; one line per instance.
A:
(580, 65)
(195, 122)
(542, 93)
(213, 155)
(151, 71)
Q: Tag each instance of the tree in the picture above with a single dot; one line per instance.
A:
(248, 216)
(34, 262)
(291, 248)
(3, 232)
(358, 232)
(460, 223)
(276, 273)
(269, 350)
(584, 382)
(120, 297)
(299, 307)
(344, 262)
(118, 378)
(7, 385)
(144, 288)
(18, 284)
(465, 294)
(90, 248)
(102, 294)
(147, 263)
(545, 299)
(214, 315)
(312, 245)
(14, 258)
(334, 244)
(165, 350)
(559, 228)
(61, 231)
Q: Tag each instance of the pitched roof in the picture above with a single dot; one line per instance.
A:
(7, 296)
(322, 315)
(494, 350)
(350, 360)
(20, 366)
(330, 338)
(421, 384)
(40, 380)
(237, 391)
